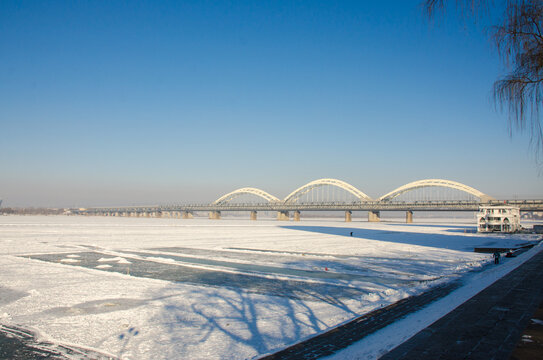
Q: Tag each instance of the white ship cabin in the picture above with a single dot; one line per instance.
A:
(498, 218)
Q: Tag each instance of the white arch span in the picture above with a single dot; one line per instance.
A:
(435, 182)
(253, 191)
(321, 182)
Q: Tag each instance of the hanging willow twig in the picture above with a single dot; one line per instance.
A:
(519, 41)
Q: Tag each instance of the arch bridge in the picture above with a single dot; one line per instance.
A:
(332, 195)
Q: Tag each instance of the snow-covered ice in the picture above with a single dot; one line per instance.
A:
(231, 289)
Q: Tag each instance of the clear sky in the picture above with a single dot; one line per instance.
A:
(122, 103)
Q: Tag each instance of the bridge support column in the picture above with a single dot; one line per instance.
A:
(409, 216)
(297, 215)
(282, 215)
(374, 216)
(253, 215)
(187, 215)
(348, 216)
(215, 215)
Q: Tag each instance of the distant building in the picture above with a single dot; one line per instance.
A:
(498, 218)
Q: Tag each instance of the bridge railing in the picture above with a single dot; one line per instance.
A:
(421, 205)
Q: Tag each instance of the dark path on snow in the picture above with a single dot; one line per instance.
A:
(487, 326)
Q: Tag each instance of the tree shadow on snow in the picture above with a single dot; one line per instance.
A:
(208, 322)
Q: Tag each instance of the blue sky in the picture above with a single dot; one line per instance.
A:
(120, 103)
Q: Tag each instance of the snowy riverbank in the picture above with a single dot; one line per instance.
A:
(231, 289)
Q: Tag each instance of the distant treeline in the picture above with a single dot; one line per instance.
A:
(31, 211)
(532, 215)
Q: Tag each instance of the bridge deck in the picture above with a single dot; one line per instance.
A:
(460, 205)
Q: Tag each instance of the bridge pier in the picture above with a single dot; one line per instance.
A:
(374, 216)
(409, 216)
(215, 215)
(253, 215)
(282, 215)
(297, 215)
(187, 215)
(348, 216)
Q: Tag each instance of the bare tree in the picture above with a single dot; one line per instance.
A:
(519, 40)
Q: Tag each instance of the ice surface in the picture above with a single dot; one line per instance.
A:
(230, 289)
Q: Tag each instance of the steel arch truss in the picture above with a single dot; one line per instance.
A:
(296, 194)
(243, 191)
(435, 182)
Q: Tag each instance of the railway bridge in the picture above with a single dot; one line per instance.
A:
(331, 195)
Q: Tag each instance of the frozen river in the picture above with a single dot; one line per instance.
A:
(164, 288)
